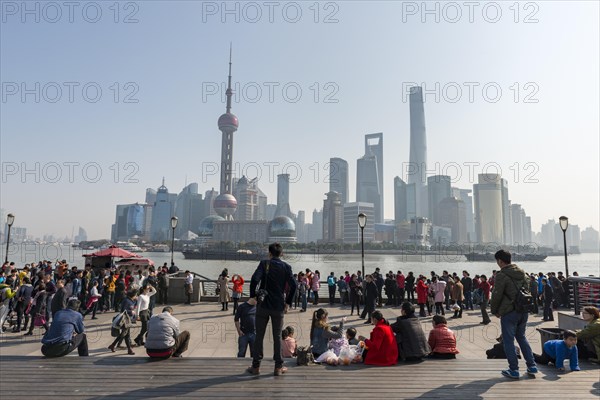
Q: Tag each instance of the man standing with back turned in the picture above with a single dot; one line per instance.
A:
(271, 277)
(508, 282)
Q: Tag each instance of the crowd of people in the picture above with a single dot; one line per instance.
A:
(57, 298)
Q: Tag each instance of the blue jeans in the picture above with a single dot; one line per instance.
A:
(244, 342)
(468, 303)
(304, 301)
(513, 327)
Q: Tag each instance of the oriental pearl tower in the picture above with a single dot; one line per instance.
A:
(225, 204)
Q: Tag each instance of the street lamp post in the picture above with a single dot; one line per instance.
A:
(362, 222)
(174, 221)
(564, 224)
(10, 219)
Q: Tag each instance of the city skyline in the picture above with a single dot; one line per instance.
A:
(171, 131)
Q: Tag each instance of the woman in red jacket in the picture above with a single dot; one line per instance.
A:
(381, 349)
(441, 339)
(422, 290)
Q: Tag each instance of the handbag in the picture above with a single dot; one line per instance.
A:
(39, 320)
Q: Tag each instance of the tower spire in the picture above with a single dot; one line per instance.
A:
(229, 92)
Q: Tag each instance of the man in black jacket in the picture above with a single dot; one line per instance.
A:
(271, 275)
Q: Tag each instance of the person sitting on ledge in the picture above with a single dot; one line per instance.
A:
(66, 333)
(164, 338)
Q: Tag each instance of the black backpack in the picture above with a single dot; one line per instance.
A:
(523, 301)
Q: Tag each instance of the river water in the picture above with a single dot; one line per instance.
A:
(585, 264)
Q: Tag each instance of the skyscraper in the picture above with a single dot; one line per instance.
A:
(374, 145)
(506, 213)
(438, 189)
(338, 178)
(351, 228)
(333, 218)
(465, 196)
(225, 204)
(189, 209)
(283, 196)
(162, 211)
(489, 224)
(400, 207)
(416, 173)
(252, 202)
(368, 188)
(451, 215)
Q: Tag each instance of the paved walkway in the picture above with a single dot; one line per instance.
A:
(213, 332)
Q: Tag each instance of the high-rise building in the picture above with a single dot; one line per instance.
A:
(333, 218)
(489, 224)
(225, 204)
(81, 236)
(301, 226)
(438, 189)
(400, 206)
(189, 209)
(452, 215)
(465, 196)
(417, 170)
(517, 216)
(528, 234)
(590, 240)
(420, 232)
(209, 201)
(129, 221)
(150, 196)
(374, 146)
(162, 211)
(574, 237)
(506, 213)
(252, 202)
(315, 233)
(283, 196)
(338, 178)
(351, 228)
(368, 188)
(547, 233)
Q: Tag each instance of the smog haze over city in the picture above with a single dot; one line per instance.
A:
(102, 100)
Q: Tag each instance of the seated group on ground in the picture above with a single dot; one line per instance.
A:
(387, 344)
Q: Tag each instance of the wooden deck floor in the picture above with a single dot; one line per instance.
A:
(207, 378)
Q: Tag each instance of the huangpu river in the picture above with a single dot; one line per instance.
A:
(585, 264)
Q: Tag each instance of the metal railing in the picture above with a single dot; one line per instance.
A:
(586, 292)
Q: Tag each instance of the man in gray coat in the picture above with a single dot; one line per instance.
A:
(164, 338)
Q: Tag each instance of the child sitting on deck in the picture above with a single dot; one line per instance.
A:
(288, 343)
(351, 336)
(441, 339)
(557, 351)
(336, 344)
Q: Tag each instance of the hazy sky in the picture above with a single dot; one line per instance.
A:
(507, 87)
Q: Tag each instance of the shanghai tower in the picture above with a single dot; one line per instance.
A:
(418, 150)
(225, 204)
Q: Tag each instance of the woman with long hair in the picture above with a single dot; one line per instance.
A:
(321, 332)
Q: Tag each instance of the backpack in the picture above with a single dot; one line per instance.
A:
(523, 301)
(304, 355)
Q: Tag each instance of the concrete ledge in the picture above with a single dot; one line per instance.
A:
(569, 321)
